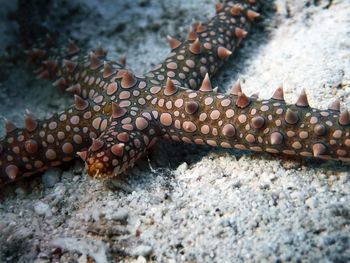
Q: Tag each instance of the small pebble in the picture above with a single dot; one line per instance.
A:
(182, 168)
(76, 178)
(140, 259)
(142, 250)
(42, 209)
(311, 202)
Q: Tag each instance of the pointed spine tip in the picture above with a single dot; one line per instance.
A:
(223, 52)
(252, 15)
(236, 9)
(80, 104)
(242, 100)
(318, 149)
(173, 42)
(335, 105)
(236, 88)
(72, 48)
(278, 94)
(218, 7)
(128, 80)
(120, 73)
(44, 75)
(9, 126)
(200, 28)
(206, 84)
(50, 65)
(95, 62)
(344, 118)
(302, 100)
(29, 122)
(195, 25)
(195, 47)
(122, 60)
(74, 89)
(240, 33)
(82, 155)
(70, 65)
(108, 70)
(192, 35)
(170, 88)
(100, 51)
(61, 83)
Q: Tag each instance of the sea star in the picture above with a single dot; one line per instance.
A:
(117, 116)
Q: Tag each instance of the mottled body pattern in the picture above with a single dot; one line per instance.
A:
(117, 116)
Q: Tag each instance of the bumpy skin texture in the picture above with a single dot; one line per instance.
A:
(122, 115)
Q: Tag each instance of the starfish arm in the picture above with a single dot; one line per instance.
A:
(208, 45)
(247, 123)
(120, 146)
(46, 143)
(50, 142)
(79, 74)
